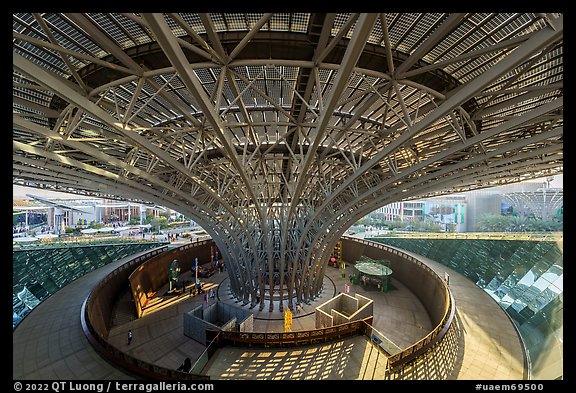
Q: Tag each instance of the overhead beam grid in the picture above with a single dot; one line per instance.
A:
(276, 131)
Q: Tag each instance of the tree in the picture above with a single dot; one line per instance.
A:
(498, 223)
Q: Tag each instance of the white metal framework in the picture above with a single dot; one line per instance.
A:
(278, 131)
(543, 203)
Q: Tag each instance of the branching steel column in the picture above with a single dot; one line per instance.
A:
(277, 132)
(526, 50)
(353, 52)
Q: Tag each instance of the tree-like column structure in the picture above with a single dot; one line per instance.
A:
(276, 132)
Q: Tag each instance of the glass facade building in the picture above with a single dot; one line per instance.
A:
(524, 277)
(39, 271)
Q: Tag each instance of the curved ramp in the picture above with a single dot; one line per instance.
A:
(50, 344)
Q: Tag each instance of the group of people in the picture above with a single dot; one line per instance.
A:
(173, 237)
(19, 228)
(219, 265)
(197, 289)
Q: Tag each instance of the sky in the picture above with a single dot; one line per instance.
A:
(19, 192)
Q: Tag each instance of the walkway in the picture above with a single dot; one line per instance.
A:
(49, 343)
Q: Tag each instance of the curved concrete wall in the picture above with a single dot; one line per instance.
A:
(96, 317)
(105, 294)
(425, 284)
(153, 274)
(150, 272)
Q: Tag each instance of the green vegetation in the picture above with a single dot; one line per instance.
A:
(499, 223)
(411, 225)
(94, 225)
(486, 223)
(157, 223)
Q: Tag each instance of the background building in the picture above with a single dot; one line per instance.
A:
(540, 198)
(449, 211)
(72, 211)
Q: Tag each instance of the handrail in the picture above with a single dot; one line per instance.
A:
(205, 355)
(49, 244)
(426, 343)
(265, 339)
(300, 337)
(307, 337)
(110, 352)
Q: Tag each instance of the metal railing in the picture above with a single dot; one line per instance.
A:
(86, 242)
(265, 339)
(110, 352)
(301, 337)
(427, 342)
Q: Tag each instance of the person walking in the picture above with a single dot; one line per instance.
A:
(129, 336)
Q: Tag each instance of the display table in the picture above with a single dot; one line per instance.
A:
(372, 273)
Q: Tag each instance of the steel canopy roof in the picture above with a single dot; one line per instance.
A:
(211, 114)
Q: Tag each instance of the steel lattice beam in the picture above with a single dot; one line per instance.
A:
(277, 131)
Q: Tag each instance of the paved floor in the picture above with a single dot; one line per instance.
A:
(159, 337)
(49, 342)
(352, 359)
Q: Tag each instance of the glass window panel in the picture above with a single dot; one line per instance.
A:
(506, 301)
(541, 284)
(558, 285)
(528, 279)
